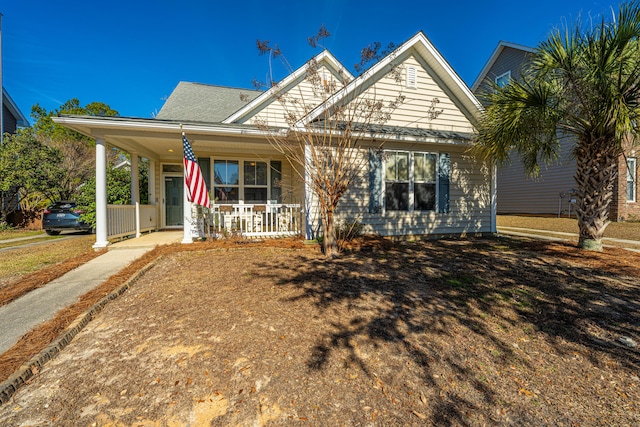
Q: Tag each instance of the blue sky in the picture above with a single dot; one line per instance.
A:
(131, 54)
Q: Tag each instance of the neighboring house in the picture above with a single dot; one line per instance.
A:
(552, 191)
(12, 119)
(255, 190)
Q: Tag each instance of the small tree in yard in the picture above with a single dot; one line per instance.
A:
(29, 171)
(326, 126)
(583, 84)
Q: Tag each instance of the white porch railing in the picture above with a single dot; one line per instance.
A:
(255, 220)
(126, 220)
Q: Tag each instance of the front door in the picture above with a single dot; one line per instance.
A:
(173, 199)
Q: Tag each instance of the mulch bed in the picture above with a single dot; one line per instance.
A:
(454, 332)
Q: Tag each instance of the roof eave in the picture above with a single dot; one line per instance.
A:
(494, 57)
(422, 44)
(13, 109)
(266, 96)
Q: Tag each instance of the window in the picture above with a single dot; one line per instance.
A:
(424, 176)
(631, 179)
(413, 181)
(503, 79)
(226, 181)
(251, 181)
(412, 77)
(205, 167)
(276, 180)
(396, 181)
(255, 181)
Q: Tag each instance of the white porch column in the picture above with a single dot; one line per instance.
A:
(135, 180)
(186, 214)
(153, 198)
(101, 195)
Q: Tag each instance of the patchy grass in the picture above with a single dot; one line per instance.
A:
(615, 230)
(17, 263)
(18, 233)
(453, 332)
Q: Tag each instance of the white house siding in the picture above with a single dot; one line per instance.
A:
(470, 200)
(413, 112)
(302, 91)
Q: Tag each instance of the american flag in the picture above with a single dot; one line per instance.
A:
(196, 187)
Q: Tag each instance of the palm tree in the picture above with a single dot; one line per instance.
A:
(582, 85)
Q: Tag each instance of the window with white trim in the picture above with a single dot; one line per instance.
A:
(410, 181)
(424, 181)
(396, 179)
(631, 179)
(252, 181)
(226, 178)
(255, 181)
(503, 79)
(412, 77)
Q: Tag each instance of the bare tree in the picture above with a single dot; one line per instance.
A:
(327, 118)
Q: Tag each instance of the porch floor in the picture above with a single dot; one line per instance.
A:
(150, 240)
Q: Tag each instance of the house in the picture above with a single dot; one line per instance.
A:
(418, 177)
(12, 119)
(552, 192)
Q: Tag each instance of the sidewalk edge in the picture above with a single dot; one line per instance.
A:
(29, 369)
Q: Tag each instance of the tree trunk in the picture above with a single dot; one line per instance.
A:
(596, 171)
(330, 244)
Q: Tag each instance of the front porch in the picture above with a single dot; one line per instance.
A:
(222, 220)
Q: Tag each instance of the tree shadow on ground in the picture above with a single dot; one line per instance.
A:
(425, 298)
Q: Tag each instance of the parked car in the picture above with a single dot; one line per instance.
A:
(61, 216)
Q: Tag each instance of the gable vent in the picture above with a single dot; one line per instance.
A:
(412, 77)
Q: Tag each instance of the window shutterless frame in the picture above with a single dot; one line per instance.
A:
(631, 179)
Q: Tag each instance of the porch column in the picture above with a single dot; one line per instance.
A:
(101, 195)
(186, 214)
(135, 180)
(153, 199)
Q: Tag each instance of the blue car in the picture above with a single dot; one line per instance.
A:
(62, 216)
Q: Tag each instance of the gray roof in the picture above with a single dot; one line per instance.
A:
(198, 102)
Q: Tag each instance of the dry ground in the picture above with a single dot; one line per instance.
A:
(454, 332)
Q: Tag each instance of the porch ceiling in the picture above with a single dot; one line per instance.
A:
(160, 139)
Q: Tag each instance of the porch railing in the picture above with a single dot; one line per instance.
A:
(255, 220)
(127, 220)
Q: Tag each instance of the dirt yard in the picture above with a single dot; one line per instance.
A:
(455, 332)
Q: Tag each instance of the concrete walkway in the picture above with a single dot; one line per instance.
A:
(38, 306)
(631, 245)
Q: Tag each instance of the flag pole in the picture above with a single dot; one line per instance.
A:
(186, 209)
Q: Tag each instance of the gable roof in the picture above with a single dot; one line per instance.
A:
(197, 102)
(494, 57)
(21, 120)
(266, 98)
(442, 71)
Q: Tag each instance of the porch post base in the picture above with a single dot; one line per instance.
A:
(100, 245)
